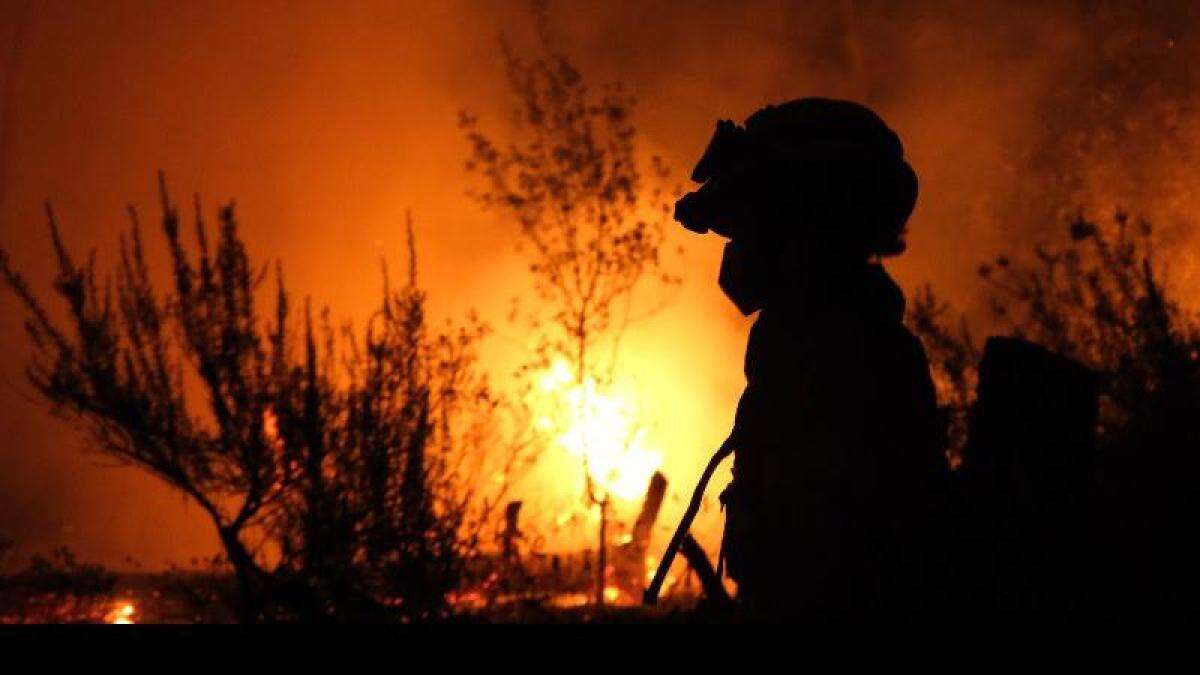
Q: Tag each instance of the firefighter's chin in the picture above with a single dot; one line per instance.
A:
(743, 277)
(692, 212)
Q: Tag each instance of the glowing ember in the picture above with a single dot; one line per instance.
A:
(601, 429)
(122, 613)
(271, 426)
(571, 600)
(468, 600)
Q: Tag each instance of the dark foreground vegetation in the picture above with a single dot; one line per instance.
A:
(1074, 496)
(339, 470)
(358, 485)
(59, 589)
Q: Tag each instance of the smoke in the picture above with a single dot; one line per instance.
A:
(327, 120)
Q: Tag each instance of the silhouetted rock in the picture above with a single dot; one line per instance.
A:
(1029, 489)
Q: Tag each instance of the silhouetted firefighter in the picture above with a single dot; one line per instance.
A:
(1028, 479)
(838, 468)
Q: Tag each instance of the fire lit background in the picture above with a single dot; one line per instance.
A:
(326, 121)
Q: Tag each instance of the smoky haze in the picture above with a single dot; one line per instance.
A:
(327, 120)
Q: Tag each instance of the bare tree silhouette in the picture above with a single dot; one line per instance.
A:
(591, 220)
(340, 472)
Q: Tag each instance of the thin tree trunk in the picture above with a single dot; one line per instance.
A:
(244, 571)
(602, 555)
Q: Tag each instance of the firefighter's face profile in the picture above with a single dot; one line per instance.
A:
(743, 277)
(793, 206)
(722, 205)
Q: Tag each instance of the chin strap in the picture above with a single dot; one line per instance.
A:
(650, 596)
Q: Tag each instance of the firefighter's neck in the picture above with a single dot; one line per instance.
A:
(819, 277)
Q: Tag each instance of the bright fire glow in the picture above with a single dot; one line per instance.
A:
(122, 613)
(601, 429)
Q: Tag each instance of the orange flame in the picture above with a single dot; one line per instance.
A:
(122, 613)
(601, 429)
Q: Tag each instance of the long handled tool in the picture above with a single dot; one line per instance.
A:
(650, 597)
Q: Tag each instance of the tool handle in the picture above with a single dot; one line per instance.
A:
(650, 596)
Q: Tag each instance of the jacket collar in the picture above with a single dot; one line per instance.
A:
(868, 291)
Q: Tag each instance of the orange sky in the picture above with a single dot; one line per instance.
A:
(326, 120)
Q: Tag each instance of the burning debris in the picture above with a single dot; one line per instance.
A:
(123, 613)
(631, 561)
